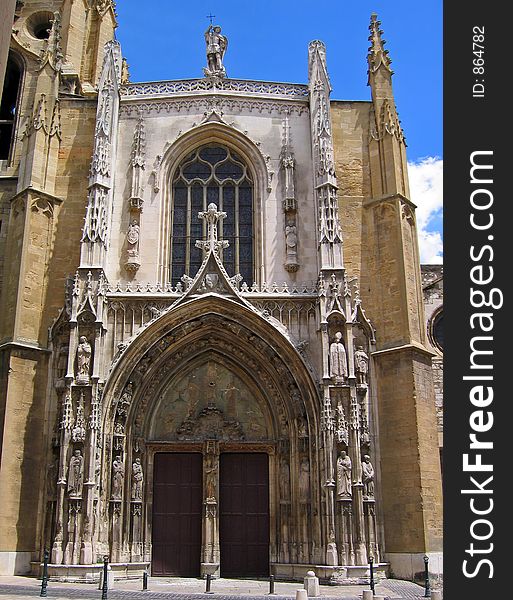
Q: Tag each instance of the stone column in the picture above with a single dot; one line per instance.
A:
(66, 425)
(210, 552)
(370, 518)
(86, 552)
(354, 451)
(328, 426)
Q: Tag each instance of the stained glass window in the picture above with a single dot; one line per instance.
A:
(215, 174)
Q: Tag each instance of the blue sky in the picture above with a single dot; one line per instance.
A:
(269, 40)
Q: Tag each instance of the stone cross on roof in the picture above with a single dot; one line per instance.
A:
(212, 216)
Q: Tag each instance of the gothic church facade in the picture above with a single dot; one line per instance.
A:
(212, 335)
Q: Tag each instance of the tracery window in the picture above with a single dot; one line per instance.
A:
(212, 173)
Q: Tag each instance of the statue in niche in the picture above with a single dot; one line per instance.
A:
(125, 400)
(75, 474)
(137, 479)
(344, 491)
(368, 477)
(338, 359)
(132, 236)
(83, 360)
(361, 363)
(211, 476)
(284, 479)
(302, 428)
(118, 477)
(216, 48)
(304, 480)
(62, 362)
(291, 239)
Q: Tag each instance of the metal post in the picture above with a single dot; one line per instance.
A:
(427, 591)
(145, 580)
(371, 568)
(271, 584)
(209, 581)
(44, 582)
(105, 585)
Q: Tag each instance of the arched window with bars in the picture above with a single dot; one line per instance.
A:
(212, 173)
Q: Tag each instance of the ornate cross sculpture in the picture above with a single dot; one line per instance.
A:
(210, 16)
(212, 216)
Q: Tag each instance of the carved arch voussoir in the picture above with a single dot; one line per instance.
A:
(202, 326)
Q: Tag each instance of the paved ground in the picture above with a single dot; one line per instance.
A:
(25, 588)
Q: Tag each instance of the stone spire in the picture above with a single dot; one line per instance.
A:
(385, 126)
(330, 233)
(379, 72)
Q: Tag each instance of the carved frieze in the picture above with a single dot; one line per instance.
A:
(210, 424)
(198, 86)
(201, 104)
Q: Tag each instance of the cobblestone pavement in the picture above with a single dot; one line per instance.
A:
(25, 588)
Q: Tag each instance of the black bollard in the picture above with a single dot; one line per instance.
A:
(427, 591)
(44, 582)
(207, 586)
(145, 580)
(105, 586)
(271, 584)
(371, 568)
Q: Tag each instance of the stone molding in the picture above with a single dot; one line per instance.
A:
(217, 86)
(139, 289)
(160, 105)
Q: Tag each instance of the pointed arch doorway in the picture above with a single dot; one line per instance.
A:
(205, 379)
(211, 510)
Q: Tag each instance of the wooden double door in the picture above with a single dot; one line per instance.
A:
(243, 514)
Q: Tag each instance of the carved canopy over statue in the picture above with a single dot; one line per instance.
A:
(216, 48)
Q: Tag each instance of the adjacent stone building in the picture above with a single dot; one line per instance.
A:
(212, 334)
(433, 288)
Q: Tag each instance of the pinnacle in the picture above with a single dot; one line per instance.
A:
(377, 55)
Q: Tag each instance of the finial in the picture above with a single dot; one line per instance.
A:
(377, 54)
(212, 216)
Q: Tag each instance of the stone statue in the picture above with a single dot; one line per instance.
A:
(368, 477)
(75, 474)
(344, 490)
(361, 363)
(211, 476)
(132, 236)
(125, 400)
(137, 479)
(291, 238)
(284, 479)
(216, 48)
(304, 480)
(83, 360)
(118, 477)
(338, 358)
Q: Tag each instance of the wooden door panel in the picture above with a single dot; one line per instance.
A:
(177, 503)
(244, 515)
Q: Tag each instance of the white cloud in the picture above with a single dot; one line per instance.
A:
(426, 190)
